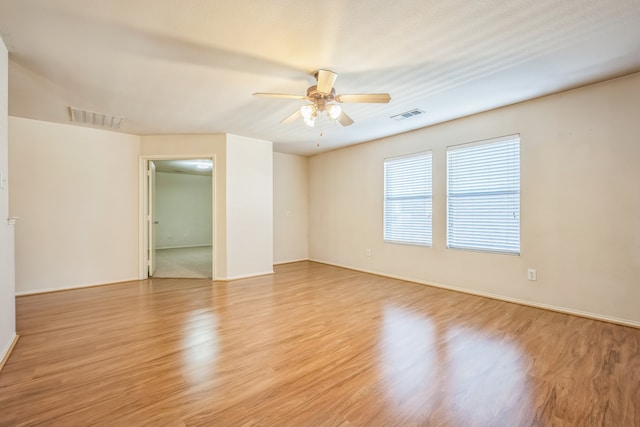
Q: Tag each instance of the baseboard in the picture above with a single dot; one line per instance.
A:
(182, 247)
(291, 261)
(7, 351)
(70, 288)
(550, 307)
(229, 279)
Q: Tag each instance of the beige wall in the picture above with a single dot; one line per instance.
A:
(7, 278)
(212, 146)
(76, 191)
(290, 208)
(243, 213)
(580, 204)
(249, 207)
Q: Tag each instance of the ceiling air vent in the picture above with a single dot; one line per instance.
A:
(407, 114)
(93, 118)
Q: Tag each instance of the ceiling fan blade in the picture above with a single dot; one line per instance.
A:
(326, 79)
(379, 98)
(280, 95)
(345, 120)
(292, 117)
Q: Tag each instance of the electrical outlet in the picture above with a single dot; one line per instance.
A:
(368, 252)
(532, 274)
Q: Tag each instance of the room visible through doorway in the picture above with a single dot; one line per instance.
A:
(181, 224)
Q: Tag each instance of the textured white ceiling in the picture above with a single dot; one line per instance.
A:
(191, 66)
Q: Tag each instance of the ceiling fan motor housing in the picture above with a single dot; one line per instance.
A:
(319, 99)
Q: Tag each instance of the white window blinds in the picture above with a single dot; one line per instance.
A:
(483, 196)
(407, 199)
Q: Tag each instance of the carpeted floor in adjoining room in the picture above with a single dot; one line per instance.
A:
(194, 262)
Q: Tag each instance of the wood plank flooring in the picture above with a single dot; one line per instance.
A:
(312, 345)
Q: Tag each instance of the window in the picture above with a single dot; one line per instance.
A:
(407, 199)
(483, 196)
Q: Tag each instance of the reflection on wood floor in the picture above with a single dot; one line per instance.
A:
(311, 345)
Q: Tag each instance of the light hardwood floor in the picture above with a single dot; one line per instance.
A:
(311, 345)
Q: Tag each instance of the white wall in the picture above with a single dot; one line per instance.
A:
(200, 146)
(580, 204)
(290, 208)
(7, 278)
(249, 207)
(183, 210)
(76, 191)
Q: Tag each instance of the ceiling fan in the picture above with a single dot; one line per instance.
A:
(323, 98)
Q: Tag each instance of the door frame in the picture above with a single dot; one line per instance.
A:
(143, 208)
(151, 217)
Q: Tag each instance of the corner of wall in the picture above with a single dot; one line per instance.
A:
(7, 247)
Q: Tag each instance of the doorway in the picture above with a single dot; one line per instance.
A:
(179, 221)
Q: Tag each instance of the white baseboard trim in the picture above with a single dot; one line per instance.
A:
(228, 279)
(70, 288)
(182, 247)
(550, 307)
(290, 261)
(6, 352)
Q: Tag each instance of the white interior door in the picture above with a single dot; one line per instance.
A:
(151, 173)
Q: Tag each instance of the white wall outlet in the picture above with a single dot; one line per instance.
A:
(368, 252)
(532, 274)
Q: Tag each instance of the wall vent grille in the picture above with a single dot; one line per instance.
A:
(407, 114)
(93, 118)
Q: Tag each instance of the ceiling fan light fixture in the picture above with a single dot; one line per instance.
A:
(308, 111)
(311, 121)
(334, 111)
